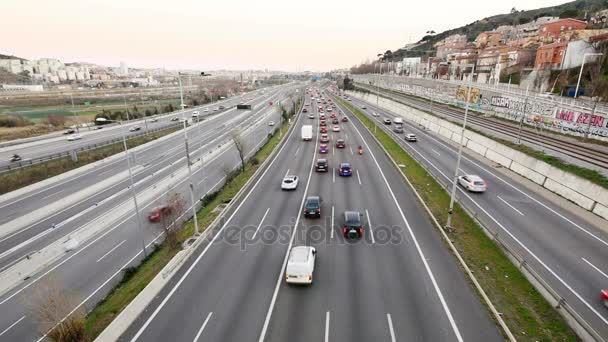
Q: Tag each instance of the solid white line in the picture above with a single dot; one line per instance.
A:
(327, 326)
(111, 250)
(297, 150)
(416, 244)
(11, 326)
(437, 153)
(597, 269)
(351, 151)
(53, 194)
(103, 173)
(286, 173)
(534, 256)
(512, 207)
(390, 327)
(334, 174)
(293, 234)
(359, 178)
(199, 183)
(200, 256)
(332, 222)
(262, 221)
(369, 223)
(200, 331)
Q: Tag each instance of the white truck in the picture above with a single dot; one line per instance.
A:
(398, 121)
(307, 132)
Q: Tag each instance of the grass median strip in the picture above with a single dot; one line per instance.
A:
(136, 279)
(19, 178)
(527, 314)
(591, 175)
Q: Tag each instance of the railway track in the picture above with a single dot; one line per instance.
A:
(574, 150)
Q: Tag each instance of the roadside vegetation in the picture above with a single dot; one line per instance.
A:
(527, 314)
(19, 178)
(135, 279)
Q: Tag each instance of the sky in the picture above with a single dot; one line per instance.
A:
(316, 35)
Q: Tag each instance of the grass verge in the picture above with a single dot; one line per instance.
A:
(593, 176)
(527, 314)
(136, 279)
(19, 178)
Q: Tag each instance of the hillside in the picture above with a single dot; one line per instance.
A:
(579, 9)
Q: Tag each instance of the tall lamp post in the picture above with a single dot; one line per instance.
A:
(133, 193)
(581, 72)
(448, 224)
(191, 185)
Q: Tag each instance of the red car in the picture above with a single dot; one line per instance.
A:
(345, 119)
(340, 143)
(604, 297)
(158, 213)
(304, 110)
(323, 123)
(333, 115)
(323, 129)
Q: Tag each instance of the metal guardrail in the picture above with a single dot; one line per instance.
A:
(528, 271)
(30, 162)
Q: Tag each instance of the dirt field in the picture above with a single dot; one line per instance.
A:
(25, 132)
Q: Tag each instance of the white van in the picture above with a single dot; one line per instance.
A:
(307, 132)
(398, 121)
(300, 265)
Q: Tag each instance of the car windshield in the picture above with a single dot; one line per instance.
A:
(478, 183)
(312, 204)
(288, 180)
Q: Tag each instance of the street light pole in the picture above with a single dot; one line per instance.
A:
(523, 116)
(448, 224)
(597, 98)
(74, 113)
(581, 72)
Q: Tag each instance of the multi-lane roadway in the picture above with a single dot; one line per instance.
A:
(568, 250)
(95, 265)
(398, 282)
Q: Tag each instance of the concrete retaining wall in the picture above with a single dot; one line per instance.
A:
(587, 195)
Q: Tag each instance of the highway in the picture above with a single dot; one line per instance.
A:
(567, 250)
(398, 282)
(57, 143)
(95, 265)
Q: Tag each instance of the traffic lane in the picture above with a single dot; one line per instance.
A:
(470, 316)
(560, 259)
(223, 251)
(83, 272)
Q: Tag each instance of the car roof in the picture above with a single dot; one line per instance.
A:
(313, 198)
(344, 164)
(352, 216)
(321, 160)
(299, 254)
(474, 177)
(290, 177)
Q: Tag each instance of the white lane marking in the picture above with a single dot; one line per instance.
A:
(508, 232)
(293, 234)
(359, 178)
(369, 223)
(332, 223)
(262, 221)
(327, 326)
(416, 244)
(334, 174)
(390, 327)
(107, 171)
(53, 194)
(351, 151)
(200, 256)
(111, 250)
(512, 207)
(11, 326)
(463, 171)
(333, 150)
(297, 150)
(286, 173)
(200, 331)
(437, 153)
(493, 174)
(594, 267)
(204, 179)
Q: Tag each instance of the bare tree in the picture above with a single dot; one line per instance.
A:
(171, 211)
(58, 312)
(241, 147)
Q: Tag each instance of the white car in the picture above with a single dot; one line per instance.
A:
(375, 114)
(472, 183)
(215, 109)
(134, 129)
(336, 128)
(363, 107)
(154, 120)
(195, 114)
(289, 183)
(300, 265)
(74, 137)
(205, 109)
(410, 137)
(271, 123)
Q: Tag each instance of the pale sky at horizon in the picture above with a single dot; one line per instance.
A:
(186, 34)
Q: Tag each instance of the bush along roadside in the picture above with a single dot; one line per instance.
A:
(22, 177)
(526, 313)
(137, 278)
(583, 172)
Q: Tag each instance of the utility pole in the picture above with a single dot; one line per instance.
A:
(523, 116)
(448, 225)
(74, 113)
(588, 132)
(126, 108)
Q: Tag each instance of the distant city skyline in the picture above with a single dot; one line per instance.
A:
(233, 35)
